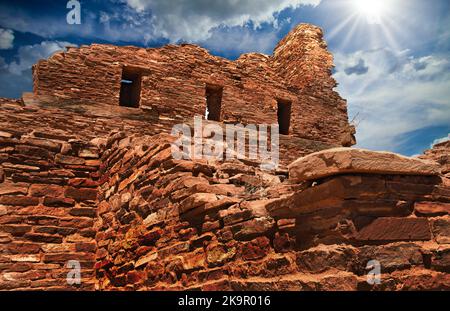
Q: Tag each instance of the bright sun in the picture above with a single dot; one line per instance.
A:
(371, 9)
(378, 19)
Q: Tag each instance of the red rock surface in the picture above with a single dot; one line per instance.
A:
(157, 223)
(395, 229)
(82, 178)
(441, 154)
(351, 160)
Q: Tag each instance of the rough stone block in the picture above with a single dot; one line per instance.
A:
(351, 160)
(441, 229)
(323, 257)
(395, 229)
(431, 209)
(19, 200)
(255, 249)
(81, 194)
(397, 256)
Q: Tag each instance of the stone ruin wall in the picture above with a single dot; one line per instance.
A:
(177, 225)
(174, 79)
(95, 182)
(137, 219)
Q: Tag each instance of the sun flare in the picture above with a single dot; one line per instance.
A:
(373, 10)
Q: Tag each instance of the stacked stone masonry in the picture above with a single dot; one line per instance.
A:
(137, 219)
(174, 80)
(83, 178)
(173, 225)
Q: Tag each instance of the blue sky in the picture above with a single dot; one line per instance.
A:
(392, 56)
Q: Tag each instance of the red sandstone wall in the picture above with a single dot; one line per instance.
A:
(175, 78)
(137, 219)
(305, 64)
(166, 224)
(303, 60)
(84, 179)
(48, 193)
(48, 182)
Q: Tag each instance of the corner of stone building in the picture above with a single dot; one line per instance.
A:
(303, 60)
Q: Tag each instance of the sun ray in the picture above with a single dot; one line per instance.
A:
(336, 30)
(377, 20)
(388, 30)
(351, 32)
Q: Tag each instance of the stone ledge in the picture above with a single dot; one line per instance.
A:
(350, 160)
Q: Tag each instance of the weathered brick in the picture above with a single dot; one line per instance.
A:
(252, 228)
(65, 159)
(76, 222)
(441, 260)
(58, 202)
(55, 230)
(432, 208)
(81, 194)
(441, 229)
(397, 256)
(16, 230)
(22, 248)
(18, 200)
(218, 253)
(45, 238)
(37, 190)
(64, 257)
(324, 257)
(150, 238)
(33, 151)
(13, 188)
(43, 143)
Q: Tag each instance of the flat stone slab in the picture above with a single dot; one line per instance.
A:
(352, 160)
(396, 229)
(431, 209)
(365, 194)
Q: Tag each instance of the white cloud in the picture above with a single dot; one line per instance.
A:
(193, 20)
(6, 39)
(29, 54)
(151, 20)
(398, 94)
(236, 40)
(16, 75)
